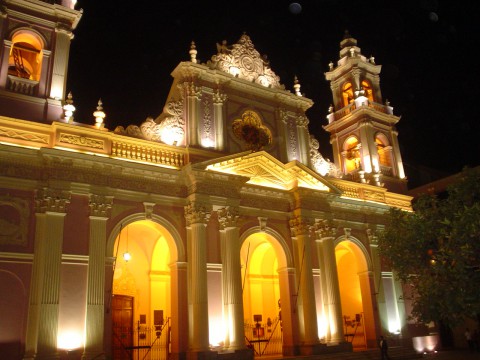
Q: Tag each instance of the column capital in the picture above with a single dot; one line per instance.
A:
(227, 217)
(51, 200)
(323, 230)
(196, 212)
(302, 121)
(100, 205)
(219, 98)
(299, 225)
(192, 90)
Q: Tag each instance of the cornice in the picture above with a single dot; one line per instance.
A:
(185, 71)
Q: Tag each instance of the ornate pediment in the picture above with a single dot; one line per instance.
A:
(243, 61)
(264, 170)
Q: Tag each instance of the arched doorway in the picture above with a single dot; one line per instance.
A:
(141, 302)
(261, 295)
(356, 294)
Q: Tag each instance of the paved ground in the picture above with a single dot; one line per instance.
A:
(460, 354)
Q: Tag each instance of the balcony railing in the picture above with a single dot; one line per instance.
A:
(337, 115)
(22, 86)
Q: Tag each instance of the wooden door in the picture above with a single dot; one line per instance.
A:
(122, 321)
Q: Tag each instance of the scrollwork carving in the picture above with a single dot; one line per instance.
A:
(100, 205)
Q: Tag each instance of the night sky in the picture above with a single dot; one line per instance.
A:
(427, 49)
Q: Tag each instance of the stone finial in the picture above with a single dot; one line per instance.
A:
(296, 86)
(352, 51)
(68, 108)
(99, 115)
(330, 65)
(330, 109)
(193, 52)
(372, 60)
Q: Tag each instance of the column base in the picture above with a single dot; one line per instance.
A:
(290, 350)
(241, 354)
(312, 349)
(201, 355)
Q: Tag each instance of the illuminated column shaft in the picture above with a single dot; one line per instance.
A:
(96, 285)
(366, 141)
(398, 157)
(306, 295)
(43, 311)
(303, 140)
(7, 46)
(232, 288)
(323, 286)
(193, 110)
(197, 219)
(48, 310)
(218, 100)
(62, 50)
(334, 307)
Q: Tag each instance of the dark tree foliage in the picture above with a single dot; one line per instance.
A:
(436, 251)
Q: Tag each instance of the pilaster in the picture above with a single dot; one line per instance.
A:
(100, 210)
(328, 266)
(197, 216)
(306, 296)
(60, 63)
(232, 279)
(218, 101)
(43, 312)
(193, 94)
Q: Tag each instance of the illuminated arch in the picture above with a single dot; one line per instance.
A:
(356, 284)
(26, 54)
(367, 87)
(172, 236)
(351, 149)
(383, 150)
(347, 93)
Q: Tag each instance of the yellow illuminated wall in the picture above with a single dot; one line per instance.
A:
(259, 272)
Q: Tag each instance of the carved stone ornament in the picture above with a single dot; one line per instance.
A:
(322, 229)
(171, 129)
(299, 226)
(242, 60)
(14, 214)
(251, 131)
(227, 217)
(52, 200)
(319, 163)
(196, 213)
(100, 205)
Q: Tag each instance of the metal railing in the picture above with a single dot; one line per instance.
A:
(265, 338)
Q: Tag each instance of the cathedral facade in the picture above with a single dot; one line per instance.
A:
(216, 229)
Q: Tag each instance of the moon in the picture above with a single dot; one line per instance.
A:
(295, 8)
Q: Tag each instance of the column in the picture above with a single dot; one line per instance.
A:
(218, 101)
(303, 140)
(100, 209)
(197, 217)
(60, 63)
(306, 296)
(42, 323)
(326, 249)
(232, 279)
(398, 157)
(193, 94)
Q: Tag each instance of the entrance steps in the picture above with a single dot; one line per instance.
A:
(395, 353)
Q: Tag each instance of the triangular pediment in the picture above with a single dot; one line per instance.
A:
(264, 170)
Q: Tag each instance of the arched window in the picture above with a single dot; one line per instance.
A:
(368, 90)
(347, 93)
(383, 149)
(352, 154)
(25, 60)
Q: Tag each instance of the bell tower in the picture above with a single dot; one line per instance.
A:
(362, 127)
(35, 42)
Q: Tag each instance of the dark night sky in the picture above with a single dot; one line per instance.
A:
(125, 54)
